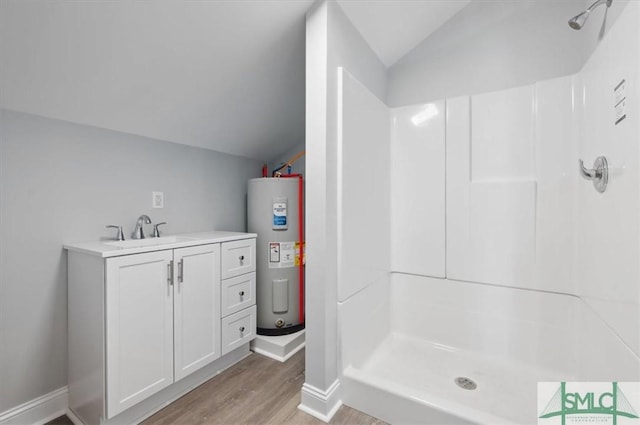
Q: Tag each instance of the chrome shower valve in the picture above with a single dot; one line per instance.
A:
(599, 174)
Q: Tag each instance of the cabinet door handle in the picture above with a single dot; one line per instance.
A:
(181, 270)
(241, 329)
(241, 293)
(241, 258)
(170, 273)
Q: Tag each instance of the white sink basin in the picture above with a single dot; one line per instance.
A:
(136, 243)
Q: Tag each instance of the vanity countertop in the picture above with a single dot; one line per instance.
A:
(112, 248)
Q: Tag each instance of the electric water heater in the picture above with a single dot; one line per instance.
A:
(274, 212)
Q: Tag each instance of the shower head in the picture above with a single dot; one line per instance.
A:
(578, 21)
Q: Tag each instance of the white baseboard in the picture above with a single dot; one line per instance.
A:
(281, 359)
(280, 348)
(73, 418)
(321, 404)
(39, 410)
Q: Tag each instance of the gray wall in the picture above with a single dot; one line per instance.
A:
(64, 182)
(347, 48)
(493, 45)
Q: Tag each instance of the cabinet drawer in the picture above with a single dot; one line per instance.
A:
(238, 293)
(238, 328)
(238, 257)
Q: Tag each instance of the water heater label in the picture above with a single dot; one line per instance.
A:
(298, 259)
(279, 215)
(274, 252)
(282, 255)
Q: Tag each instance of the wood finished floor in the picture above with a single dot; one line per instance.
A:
(257, 390)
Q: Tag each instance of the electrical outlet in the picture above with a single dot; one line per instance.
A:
(157, 200)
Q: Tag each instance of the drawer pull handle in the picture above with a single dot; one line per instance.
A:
(242, 293)
(241, 328)
(241, 258)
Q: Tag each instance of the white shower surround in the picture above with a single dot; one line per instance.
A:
(566, 284)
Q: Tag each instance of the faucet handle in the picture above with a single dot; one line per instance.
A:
(120, 236)
(156, 231)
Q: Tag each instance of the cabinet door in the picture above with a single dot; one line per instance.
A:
(197, 307)
(139, 328)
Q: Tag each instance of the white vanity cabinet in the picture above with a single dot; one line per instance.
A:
(145, 324)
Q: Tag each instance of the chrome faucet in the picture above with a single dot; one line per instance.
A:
(138, 232)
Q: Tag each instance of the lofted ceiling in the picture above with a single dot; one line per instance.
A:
(394, 27)
(223, 75)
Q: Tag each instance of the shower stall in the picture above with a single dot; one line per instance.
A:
(474, 260)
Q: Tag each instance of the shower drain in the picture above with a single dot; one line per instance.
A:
(466, 383)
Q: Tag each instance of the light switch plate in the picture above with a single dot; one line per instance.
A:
(157, 199)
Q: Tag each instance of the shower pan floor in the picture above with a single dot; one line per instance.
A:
(425, 372)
